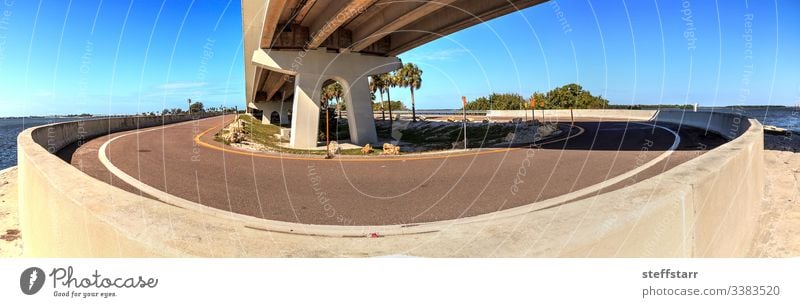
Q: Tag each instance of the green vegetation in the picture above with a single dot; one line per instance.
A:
(196, 107)
(497, 101)
(396, 106)
(565, 97)
(264, 134)
(335, 92)
(410, 76)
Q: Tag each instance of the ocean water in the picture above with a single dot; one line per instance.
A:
(10, 128)
(784, 117)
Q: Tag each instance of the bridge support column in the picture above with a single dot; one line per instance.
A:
(305, 111)
(359, 112)
(311, 69)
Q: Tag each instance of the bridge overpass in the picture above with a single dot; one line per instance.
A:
(292, 48)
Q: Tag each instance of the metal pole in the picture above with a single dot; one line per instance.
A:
(571, 117)
(327, 128)
(464, 101)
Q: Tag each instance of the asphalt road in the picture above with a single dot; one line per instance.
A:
(384, 191)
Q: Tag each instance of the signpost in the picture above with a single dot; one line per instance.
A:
(541, 104)
(571, 117)
(464, 108)
(533, 109)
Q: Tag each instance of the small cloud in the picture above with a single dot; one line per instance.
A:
(181, 85)
(439, 55)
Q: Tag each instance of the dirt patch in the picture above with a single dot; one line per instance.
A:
(10, 237)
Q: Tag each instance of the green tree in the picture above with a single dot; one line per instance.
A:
(376, 84)
(333, 91)
(389, 81)
(496, 101)
(196, 107)
(410, 76)
(572, 96)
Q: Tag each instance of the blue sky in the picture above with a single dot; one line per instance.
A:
(60, 57)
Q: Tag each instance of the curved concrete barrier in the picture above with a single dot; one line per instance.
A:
(704, 207)
(578, 113)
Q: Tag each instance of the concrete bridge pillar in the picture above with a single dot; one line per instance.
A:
(310, 69)
(359, 112)
(305, 111)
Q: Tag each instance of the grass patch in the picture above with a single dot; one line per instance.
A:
(264, 134)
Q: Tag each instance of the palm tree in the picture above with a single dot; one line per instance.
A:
(336, 93)
(333, 91)
(410, 76)
(376, 84)
(389, 81)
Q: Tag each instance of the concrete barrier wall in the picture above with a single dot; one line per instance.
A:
(578, 113)
(64, 212)
(706, 207)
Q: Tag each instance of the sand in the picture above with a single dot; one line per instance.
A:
(10, 236)
(779, 233)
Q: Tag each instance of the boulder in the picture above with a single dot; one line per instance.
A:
(333, 148)
(389, 149)
(367, 149)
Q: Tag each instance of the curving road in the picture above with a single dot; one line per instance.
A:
(403, 190)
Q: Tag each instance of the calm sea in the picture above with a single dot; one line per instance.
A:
(10, 128)
(788, 118)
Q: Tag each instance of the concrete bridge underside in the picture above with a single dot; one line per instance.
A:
(294, 47)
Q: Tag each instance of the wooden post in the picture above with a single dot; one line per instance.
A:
(327, 128)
